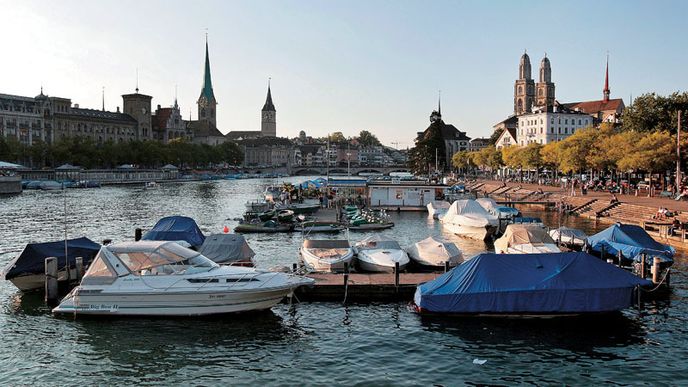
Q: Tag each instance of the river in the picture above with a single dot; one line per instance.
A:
(306, 343)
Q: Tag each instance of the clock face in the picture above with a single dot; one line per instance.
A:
(143, 110)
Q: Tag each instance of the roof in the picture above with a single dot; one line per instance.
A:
(268, 107)
(573, 282)
(207, 90)
(265, 141)
(310, 148)
(203, 128)
(594, 107)
(98, 115)
(480, 140)
(510, 121)
(243, 134)
(508, 131)
(449, 132)
(6, 165)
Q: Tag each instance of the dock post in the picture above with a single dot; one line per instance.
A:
(620, 257)
(446, 266)
(655, 270)
(603, 253)
(79, 266)
(643, 258)
(346, 281)
(51, 281)
(294, 266)
(138, 233)
(396, 277)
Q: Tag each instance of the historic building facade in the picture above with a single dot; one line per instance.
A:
(527, 93)
(548, 124)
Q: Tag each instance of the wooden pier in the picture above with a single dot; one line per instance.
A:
(363, 287)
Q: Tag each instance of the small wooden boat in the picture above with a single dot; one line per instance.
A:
(329, 227)
(268, 227)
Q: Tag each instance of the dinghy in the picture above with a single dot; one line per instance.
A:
(469, 219)
(329, 255)
(525, 239)
(433, 252)
(376, 254)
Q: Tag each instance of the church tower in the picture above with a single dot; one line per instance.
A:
(268, 119)
(206, 102)
(545, 88)
(524, 87)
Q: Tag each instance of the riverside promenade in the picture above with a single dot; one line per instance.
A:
(641, 209)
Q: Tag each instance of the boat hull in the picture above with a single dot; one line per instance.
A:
(372, 261)
(473, 232)
(315, 263)
(171, 303)
(34, 282)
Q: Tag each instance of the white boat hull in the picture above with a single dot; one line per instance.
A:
(529, 248)
(326, 264)
(33, 282)
(473, 232)
(382, 261)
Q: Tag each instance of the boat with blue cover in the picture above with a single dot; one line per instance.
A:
(529, 284)
(632, 241)
(176, 228)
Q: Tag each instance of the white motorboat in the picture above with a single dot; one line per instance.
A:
(434, 252)
(569, 236)
(525, 239)
(378, 255)
(330, 255)
(437, 208)
(469, 219)
(156, 278)
(501, 212)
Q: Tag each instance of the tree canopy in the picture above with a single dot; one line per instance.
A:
(366, 138)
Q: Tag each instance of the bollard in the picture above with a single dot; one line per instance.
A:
(446, 266)
(619, 256)
(668, 278)
(346, 273)
(138, 233)
(79, 266)
(51, 281)
(655, 270)
(294, 266)
(603, 253)
(396, 276)
(643, 258)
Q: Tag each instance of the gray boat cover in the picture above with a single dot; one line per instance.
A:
(226, 248)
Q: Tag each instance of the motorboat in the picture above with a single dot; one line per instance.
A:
(51, 185)
(27, 270)
(321, 227)
(569, 236)
(257, 206)
(532, 220)
(271, 226)
(176, 228)
(157, 278)
(632, 242)
(529, 285)
(227, 249)
(525, 239)
(285, 216)
(437, 208)
(469, 219)
(380, 255)
(434, 251)
(501, 212)
(272, 193)
(329, 255)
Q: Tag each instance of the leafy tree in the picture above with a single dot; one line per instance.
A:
(651, 112)
(366, 138)
(651, 152)
(336, 137)
(461, 159)
(427, 148)
(495, 136)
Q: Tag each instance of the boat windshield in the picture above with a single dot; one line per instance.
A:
(169, 258)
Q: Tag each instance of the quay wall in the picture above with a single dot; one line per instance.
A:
(10, 185)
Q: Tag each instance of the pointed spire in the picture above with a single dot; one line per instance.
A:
(103, 98)
(175, 97)
(439, 102)
(137, 80)
(207, 90)
(605, 92)
(269, 107)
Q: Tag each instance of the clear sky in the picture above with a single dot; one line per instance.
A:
(341, 65)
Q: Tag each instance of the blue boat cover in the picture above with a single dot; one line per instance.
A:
(550, 283)
(176, 228)
(632, 241)
(32, 259)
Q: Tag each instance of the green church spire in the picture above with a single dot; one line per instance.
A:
(207, 90)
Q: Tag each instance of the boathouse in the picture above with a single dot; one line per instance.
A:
(404, 194)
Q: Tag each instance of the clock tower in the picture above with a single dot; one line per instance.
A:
(268, 122)
(207, 103)
(138, 106)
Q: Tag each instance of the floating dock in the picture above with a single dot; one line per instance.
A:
(363, 287)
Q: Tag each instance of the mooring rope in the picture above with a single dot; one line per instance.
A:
(666, 273)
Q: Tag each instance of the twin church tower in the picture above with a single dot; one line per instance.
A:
(527, 93)
(207, 104)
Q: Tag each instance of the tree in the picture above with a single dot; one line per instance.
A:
(461, 160)
(336, 137)
(651, 152)
(429, 147)
(551, 154)
(530, 157)
(495, 136)
(366, 138)
(651, 112)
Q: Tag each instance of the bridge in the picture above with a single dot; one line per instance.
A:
(317, 170)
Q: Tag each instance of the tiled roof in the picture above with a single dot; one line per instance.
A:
(97, 114)
(204, 129)
(266, 141)
(159, 120)
(243, 134)
(594, 107)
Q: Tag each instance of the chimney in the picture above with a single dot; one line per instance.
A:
(76, 105)
(158, 107)
(117, 109)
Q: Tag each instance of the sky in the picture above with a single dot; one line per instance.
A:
(341, 65)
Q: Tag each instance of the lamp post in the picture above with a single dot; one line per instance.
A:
(348, 161)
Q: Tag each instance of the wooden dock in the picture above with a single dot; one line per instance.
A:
(360, 287)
